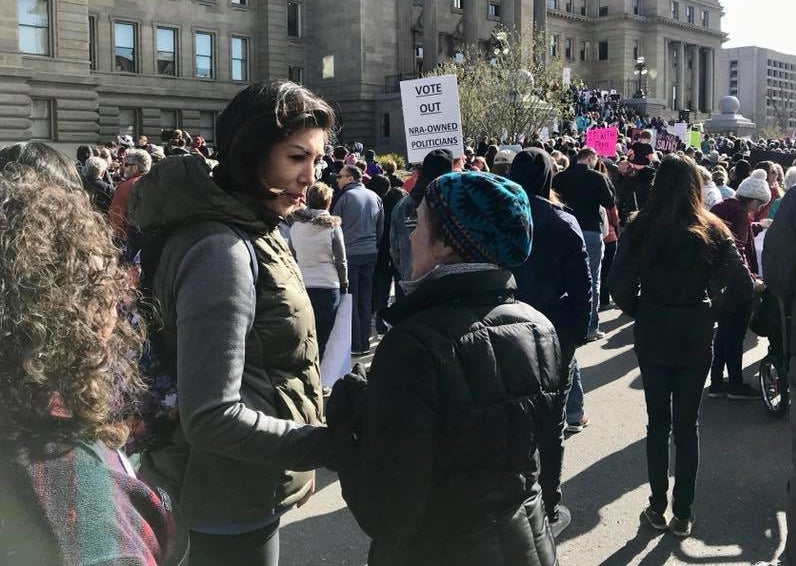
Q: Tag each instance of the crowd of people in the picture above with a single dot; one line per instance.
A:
(483, 273)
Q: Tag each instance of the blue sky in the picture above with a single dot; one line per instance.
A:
(765, 23)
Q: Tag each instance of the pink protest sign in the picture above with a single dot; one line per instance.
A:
(602, 140)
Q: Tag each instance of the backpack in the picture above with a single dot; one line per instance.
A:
(157, 411)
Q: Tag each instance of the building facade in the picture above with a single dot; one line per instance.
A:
(764, 82)
(83, 71)
(601, 40)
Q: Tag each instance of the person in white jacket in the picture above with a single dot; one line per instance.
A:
(316, 241)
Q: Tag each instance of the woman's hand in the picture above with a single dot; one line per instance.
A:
(309, 494)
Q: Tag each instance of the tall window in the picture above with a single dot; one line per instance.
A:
(705, 19)
(635, 7)
(166, 51)
(128, 121)
(635, 50)
(582, 7)
(582, 50)
(568, 48)
(92, 42)
(41, 119)
(293, 19)
(240, 59)
(384, 128)
(603, 8)
(552, 4)
(296, 74)
(207, 126)
(168, 119)
(34, 26)
(456, 4)
(494, 10)
(602, 49)
(689, 14)
(204, 55)
(554, 45)
(675, 10)
(124, 46)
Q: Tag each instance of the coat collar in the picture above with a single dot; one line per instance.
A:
(455, 289)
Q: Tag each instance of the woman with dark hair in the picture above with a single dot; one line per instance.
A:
(67, 378)
(238, 333)
(739, 172)
(676, 268)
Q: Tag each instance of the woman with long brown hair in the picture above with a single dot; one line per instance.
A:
(675, 268)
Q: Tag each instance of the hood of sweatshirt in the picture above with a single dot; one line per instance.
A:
(181, 191)
(317, 217)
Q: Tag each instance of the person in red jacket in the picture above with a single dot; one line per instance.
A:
(137, 162)
(752, 193)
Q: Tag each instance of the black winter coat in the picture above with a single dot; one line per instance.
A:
(779, 259)
(555, 279)
(675, 295)
(463, 402)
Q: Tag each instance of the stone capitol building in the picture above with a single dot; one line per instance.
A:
(84, 71)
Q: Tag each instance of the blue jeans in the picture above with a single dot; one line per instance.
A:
(360, 283)
(594, 248)
(575, 398)
(324, 305)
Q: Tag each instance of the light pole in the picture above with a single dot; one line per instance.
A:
(641, 72)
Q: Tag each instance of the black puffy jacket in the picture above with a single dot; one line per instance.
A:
(464, 400)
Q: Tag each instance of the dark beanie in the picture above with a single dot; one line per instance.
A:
(485, 218)
(532, 169)
(437, 162)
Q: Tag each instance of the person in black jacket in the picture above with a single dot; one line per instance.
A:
(440, 464)
(675, 269)
(779, 271)
(555, 279)
(585, 190)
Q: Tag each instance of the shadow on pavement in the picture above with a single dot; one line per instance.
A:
(610, 370)
(740, 488)
(332, 538)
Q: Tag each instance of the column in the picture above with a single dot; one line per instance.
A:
(507, 14)
(710, 71)
(430, 34)
(680, 82)
(540, 15)
(470, 21)
(695, 78)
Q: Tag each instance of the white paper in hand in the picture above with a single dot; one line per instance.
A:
(337, 356)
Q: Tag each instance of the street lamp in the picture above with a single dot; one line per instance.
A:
(641, 72)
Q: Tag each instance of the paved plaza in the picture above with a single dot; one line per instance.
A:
(740, 502)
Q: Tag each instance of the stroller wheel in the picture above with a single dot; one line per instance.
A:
(773, 387)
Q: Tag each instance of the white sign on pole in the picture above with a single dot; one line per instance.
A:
(567, 76)
(432, 119)
(679, 129)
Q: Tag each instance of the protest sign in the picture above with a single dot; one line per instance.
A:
(667, 142)
(567, 76)
(679, 129)
(602, 140)
(432, 119)
(695, 139)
